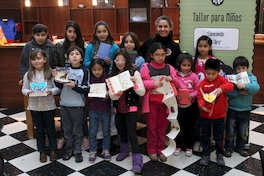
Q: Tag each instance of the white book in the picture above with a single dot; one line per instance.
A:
(238, 78)
(97, 90)
(120, 82)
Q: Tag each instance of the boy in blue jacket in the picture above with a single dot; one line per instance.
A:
(238, 114)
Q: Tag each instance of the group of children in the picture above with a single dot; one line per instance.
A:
(199, 76)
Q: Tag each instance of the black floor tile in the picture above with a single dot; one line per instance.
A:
(21, 136)
(256, 117)
(252, 166)
(11, 170)
(7, 120)
(103, 168)
(211, 169)
(158, 169)
(16, 151)
(11, 111)
(51, 169)
(259, 129)
(253, 148)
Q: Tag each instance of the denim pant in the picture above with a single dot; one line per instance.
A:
(237, 124)
(44, 123)
(72, 121)
(105, 118)
(218, 132)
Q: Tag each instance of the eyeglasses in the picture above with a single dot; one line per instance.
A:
(159, 55)
(120, 61)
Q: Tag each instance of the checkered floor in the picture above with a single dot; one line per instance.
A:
(21, 157)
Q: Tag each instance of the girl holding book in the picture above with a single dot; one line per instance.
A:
(42, 108)
(101, 34)
(99, 110)
(152, 105)
(131, 43)
(126, 106)
(188, 82)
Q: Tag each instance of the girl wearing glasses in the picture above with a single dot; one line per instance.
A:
(126, 106)
(152, 105)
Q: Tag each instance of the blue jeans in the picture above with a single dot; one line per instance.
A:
(237, 124)
(105, 119)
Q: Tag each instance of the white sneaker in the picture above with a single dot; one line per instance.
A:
(188, 152)
(197, 147)
(177, 151)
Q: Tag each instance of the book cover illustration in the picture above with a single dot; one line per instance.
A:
(238, 78)
(62, 75)
(185, 100)
(39, 89)
(120, 82)
(97, 90)
(104, 50)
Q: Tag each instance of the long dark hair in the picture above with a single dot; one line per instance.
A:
(31, 69)
(101, 62)
(109, 40)
(202, 38)
(154, 47)
(135, 40)
(79, 40)
(128, 65)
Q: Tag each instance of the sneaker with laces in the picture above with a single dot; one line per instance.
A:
(197, 147)
(92, 157)
(78, 157)
(177, 151)
(85, 143)
(242, 152)
(205, 160)
(106, 154)
(220, 160)
(188, 152)
(60, 143)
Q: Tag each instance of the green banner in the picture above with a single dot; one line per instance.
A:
(230, 24)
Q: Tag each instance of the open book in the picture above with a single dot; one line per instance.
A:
(62, 74)
(120, 82)
(97, 90)
(104, 50)
(241, 77)
(39, 89)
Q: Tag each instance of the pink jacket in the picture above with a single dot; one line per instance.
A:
(189, 81)
(149, 83)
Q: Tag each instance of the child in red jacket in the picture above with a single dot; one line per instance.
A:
(213, 113)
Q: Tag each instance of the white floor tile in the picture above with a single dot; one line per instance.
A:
(184, 161)
(2, 115)
(128, 173)
(253, 124)
(141, 140)
(256, 138)
(7, 141)
(235, 160)
(31, 143)
(183, 173)
(28, 162)
(76, 174)
(19, 116)
(14, 127)
(235, 172)
(24, 174)
(259, 105)
(259, 110)
(72, 164)
(140, 125)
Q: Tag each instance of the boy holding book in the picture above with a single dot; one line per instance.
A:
(238, 114)
(213, 113)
